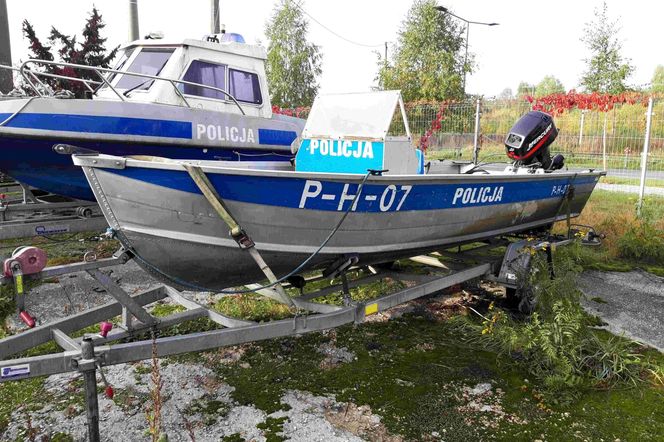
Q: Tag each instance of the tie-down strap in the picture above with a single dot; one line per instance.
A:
(239, 235)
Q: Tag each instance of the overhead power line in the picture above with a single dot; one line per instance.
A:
(335, 33)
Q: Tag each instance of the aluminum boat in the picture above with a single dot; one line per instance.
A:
(189, 99)
(401, 209)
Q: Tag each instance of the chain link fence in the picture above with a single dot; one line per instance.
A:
(613, 140)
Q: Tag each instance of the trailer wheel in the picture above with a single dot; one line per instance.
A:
(527, 302)
(512, 299)
(521, 299)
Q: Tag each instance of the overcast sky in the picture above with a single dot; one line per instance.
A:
(534, 39)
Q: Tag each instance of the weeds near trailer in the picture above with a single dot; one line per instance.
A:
(188, 426)
(557, 343)
(153, 410)
(643, 240)
(631, 242)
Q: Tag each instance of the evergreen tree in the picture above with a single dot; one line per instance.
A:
(428, 58)
(37, 49)
(92, 52)
(549, 85)
(606, 69)
(293, 64)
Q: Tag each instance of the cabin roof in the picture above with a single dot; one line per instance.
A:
(246, 50)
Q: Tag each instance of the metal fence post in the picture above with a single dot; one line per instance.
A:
(583, 119)
(476, 139)
(644, 157)
(604, 142)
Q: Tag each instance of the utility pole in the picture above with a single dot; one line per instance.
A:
(214, 17)
(6, 77)
(444, 10)
(134, 33)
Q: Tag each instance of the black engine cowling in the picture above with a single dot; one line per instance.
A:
(529, 139)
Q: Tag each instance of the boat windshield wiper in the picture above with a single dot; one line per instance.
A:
(128, 91)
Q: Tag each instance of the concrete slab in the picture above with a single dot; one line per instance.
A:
(631, 303)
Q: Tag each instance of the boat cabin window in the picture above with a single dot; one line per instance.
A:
(209, 74)
(150, 61)
(245, 86)
(122, 60)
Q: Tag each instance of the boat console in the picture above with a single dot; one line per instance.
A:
(354, 133)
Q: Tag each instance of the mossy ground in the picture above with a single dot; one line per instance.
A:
(410, 372)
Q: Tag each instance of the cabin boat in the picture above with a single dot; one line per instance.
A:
(357, 183)
(191, 99)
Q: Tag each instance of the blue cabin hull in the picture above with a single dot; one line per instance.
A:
(35, 163)
(29, 128)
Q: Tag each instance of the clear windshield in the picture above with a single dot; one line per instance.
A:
(121, 58)
(361, 115)
(150, 61)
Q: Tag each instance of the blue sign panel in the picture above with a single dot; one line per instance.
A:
(339, 156)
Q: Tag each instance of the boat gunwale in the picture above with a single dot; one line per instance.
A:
(116, 162)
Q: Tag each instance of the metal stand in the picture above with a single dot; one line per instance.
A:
(87, 366)
(34, 215)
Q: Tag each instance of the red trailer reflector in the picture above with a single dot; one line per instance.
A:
(104, 328)
(25, 317)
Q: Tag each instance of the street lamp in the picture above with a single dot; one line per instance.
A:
(468, 23)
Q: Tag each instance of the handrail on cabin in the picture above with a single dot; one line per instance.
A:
(26, 73)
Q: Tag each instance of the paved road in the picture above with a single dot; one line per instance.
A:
(630, 188)
(631, 303)
(632, 173)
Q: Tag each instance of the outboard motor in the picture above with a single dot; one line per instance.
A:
(529, 139)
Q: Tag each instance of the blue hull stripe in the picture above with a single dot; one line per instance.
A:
(336, 196)
(128, 126)
(276, 137)
(102, 125)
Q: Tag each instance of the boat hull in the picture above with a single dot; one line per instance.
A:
(162, 216)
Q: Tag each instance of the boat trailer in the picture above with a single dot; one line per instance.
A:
(26, 212)
(123, 322)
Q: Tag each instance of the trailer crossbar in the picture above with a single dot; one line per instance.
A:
(236, 331)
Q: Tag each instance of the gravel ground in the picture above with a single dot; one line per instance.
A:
(630, 188)
(187, 390)
(75, 292)
(631, 303)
